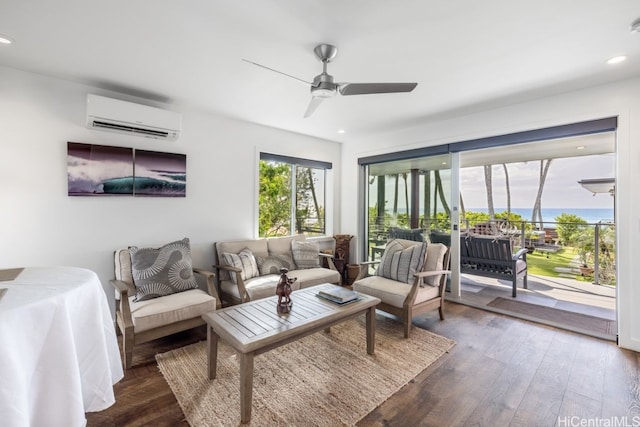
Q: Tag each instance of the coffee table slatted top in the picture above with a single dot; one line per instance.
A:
(253, 325)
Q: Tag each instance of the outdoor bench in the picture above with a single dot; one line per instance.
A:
(490, 256)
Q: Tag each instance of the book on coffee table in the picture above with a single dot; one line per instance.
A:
(338, 295)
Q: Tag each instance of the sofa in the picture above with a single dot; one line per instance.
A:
(247, 270)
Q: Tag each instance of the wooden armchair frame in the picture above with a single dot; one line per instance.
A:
(409, 307)
(124, 318)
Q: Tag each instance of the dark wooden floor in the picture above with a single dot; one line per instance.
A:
(503, 371)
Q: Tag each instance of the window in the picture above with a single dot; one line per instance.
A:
(291, 196)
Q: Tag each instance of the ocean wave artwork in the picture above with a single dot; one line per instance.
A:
(97, 170)
(160, 174)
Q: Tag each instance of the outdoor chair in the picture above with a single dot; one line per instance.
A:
(410, 279)
(142, 315)
(415, 234)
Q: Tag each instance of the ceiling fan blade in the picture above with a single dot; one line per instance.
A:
(276, 71)
(313, 104)
(367, 88)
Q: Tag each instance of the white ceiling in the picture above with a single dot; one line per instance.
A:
(465, 54)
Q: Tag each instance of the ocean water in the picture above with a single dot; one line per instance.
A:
(591, 215)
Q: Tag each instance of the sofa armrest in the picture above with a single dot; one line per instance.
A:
(209, 276)
(242, 290)
(329, 258)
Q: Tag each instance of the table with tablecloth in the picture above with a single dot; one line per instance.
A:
(59, 354)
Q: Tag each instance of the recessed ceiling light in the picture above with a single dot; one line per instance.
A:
(635, 26)
(616, 59)
(341, 130)
(581, 147)
(5, 39)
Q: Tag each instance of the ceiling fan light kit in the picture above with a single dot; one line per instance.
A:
(323, 85)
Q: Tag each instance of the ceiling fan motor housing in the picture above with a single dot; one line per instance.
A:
(323, 86)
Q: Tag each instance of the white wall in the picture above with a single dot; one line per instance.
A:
(41, 226)
(621, 99)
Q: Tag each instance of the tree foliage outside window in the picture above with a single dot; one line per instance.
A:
(279, 193)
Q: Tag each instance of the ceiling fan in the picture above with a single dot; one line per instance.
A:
(324, 87)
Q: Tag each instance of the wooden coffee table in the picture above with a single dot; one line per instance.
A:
(255, 327)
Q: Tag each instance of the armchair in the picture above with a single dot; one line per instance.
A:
(407, 293)
(145, 318)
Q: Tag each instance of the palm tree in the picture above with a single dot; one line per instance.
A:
(395, 195)
(506, 180)
(537, 206)
(440, 192)
(489, 185)
(427, 196)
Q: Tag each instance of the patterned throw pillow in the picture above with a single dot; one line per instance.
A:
(273, 263)
(305, 254)
(400, 263)
(243, 260)
(162, 271)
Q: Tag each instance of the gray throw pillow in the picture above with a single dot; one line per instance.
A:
(273, 263)
(162, 271)
(400, 263)
(243, 260)
(305, 254)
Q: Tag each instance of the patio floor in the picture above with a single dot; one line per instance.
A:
(560, 293)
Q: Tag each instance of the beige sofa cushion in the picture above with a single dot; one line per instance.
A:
(265, 286)
(282, 245)
(434, 261)
(314, 276)
(393, 292)
(123, 270)
(257, 288)
(173, 308)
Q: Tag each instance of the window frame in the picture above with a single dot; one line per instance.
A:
(296, 162)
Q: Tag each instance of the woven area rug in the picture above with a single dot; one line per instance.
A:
(325, 379)
(563, 317)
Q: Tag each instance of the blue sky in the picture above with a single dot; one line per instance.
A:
(561, 188)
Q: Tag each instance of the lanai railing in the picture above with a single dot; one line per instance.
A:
(594, 242)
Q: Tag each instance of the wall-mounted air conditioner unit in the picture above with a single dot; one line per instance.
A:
(127, 117)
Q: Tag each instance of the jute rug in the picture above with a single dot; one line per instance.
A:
(325, 379)
(569, 318)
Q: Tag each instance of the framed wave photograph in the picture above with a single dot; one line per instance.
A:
(99, 170)
(160, 174)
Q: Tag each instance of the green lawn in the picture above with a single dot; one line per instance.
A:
(540, 265)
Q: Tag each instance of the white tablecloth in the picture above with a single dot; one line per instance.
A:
(59, 354)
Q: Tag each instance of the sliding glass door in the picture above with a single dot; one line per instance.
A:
(408, 199)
